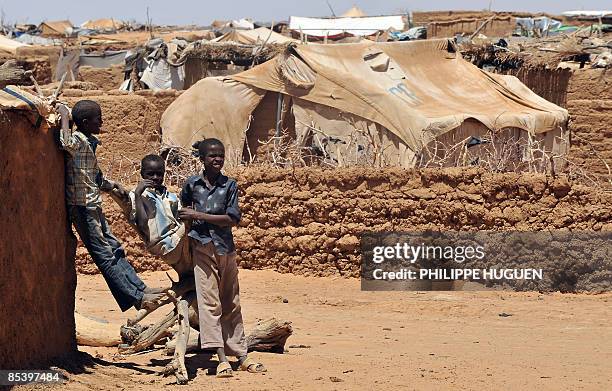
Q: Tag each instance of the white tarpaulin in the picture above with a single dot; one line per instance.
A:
(543, 23)
(159, 75)
(243, 24)
(587, 14)
(320, 27)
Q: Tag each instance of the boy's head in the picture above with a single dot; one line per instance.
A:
(87, 115)
(153, 168)
(212, 154)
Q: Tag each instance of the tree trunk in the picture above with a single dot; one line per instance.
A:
(90, 332)
(268, 336)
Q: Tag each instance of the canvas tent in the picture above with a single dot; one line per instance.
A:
(103, 24)
(353, 12)
(396, 100)
(252, 37)
(54, 29)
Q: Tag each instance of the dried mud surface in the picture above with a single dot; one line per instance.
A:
(309, 221)
(347, 339)
(37, 273)
(105, 79)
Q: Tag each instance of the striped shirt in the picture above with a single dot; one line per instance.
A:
(83, 176)
(165, 229)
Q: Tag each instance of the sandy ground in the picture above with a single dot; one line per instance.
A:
(393, 340)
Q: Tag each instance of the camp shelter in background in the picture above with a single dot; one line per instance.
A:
(108, 24)
(397, 103)
(55, 29)
(252, 37)
(353, 12)
(338, 28)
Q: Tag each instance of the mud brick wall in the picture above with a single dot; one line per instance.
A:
(309, 221)
(105, 79)
(587, 95)
(130, 129)
(37, 273)
(589, 102)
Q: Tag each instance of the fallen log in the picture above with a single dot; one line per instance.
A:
(90, 332)
(269, 335)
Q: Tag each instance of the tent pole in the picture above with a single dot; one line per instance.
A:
(279, 104)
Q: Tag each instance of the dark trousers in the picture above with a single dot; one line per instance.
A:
(108, 254)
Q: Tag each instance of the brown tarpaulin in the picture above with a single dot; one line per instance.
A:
(213, 107)
(255, 36)
(416, 90)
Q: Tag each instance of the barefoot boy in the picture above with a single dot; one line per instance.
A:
(213, 209)
(84, 180)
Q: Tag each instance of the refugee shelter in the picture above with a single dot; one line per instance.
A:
(338, 28)
(395, 103)
(37, 254)
(108, 24)
(55, 29)
(353, 12)
(203, 59)
(604, 16)
(252, 37)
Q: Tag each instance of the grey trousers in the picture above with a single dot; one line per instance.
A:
(219, 312)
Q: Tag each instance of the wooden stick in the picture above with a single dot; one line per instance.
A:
(179, 289)
(59, 88)
(35, 83)
(182, 336)
(482, 26)
(151, 335)
(192, 345)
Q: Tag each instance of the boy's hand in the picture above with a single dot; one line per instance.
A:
(143, 185)
(189, 214)
(108, 185)
(64, 113)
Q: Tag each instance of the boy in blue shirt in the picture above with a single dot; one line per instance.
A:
(212, 207)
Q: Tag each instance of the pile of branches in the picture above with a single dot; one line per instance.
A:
(11, 72)
(535, 53)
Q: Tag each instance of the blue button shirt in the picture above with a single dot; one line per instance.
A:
(221, 199)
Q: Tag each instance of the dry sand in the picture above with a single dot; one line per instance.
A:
(391, 340)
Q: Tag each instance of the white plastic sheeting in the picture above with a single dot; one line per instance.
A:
(159, 75)
(320, 27)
